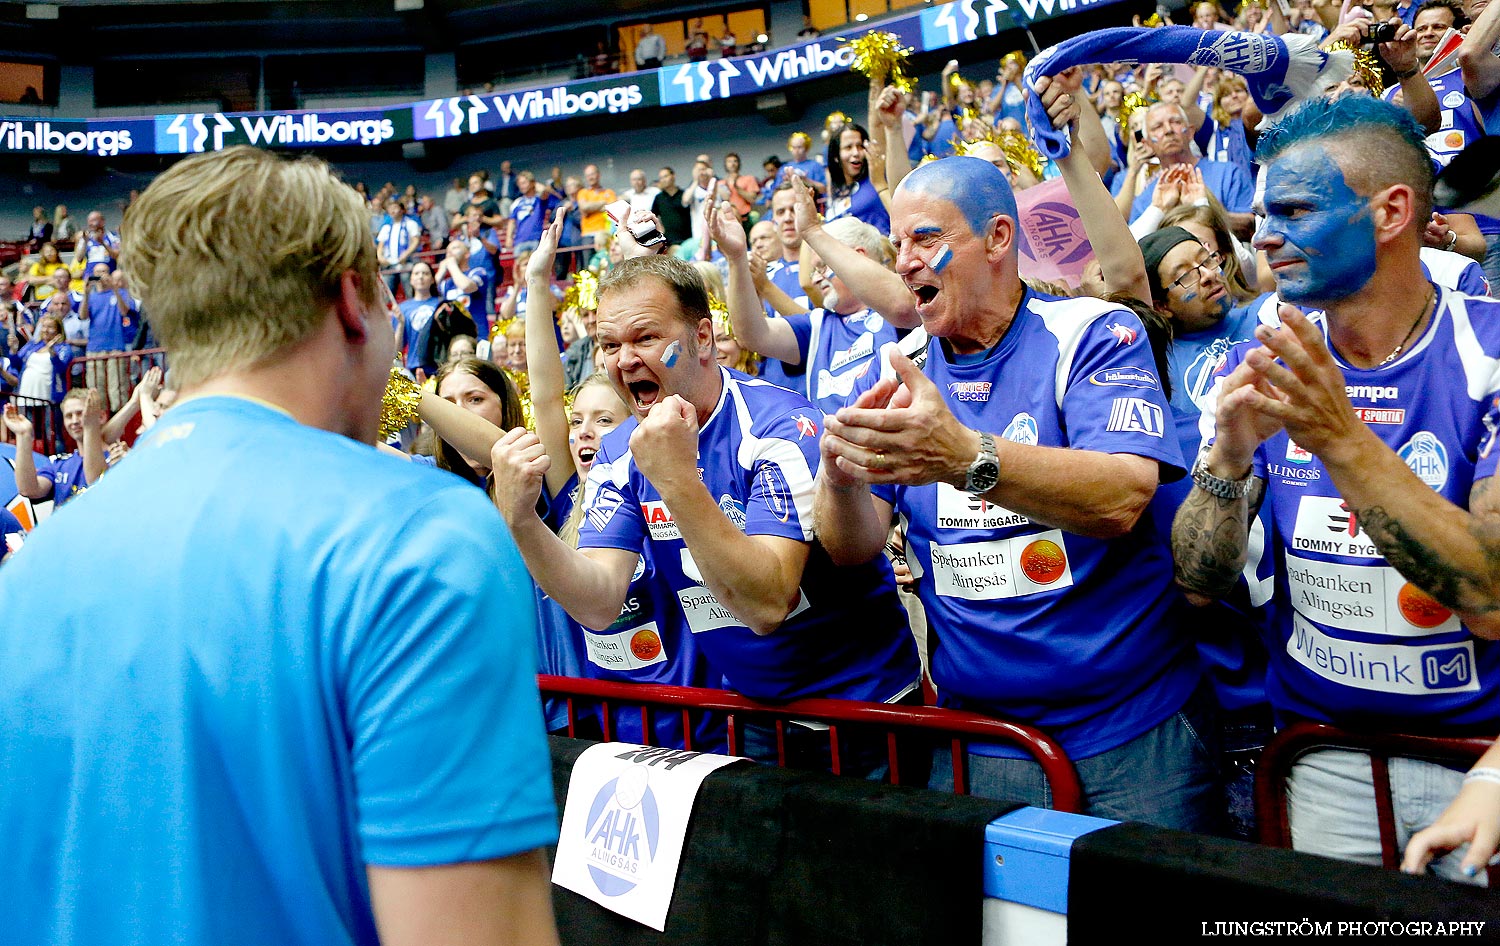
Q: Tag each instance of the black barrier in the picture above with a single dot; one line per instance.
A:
(1133, 882)
(777, 857)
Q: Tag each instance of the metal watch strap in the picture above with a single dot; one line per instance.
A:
(1218, 486)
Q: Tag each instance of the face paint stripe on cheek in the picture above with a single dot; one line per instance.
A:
(670, 353)
(942, 258)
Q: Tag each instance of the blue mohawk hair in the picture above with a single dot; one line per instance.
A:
(1334, 117)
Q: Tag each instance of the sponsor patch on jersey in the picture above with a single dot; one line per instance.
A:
(957, 509)
(704, 612)
(1408, 670)
(659, 520)
(1381, 415)
(806, 426)
(1324, 524)
(1371, 599)
(863, 347)
(1134, 415)
(1126, 377)
(734, 509)
(777, 494)
(1003, 568)
(969, 390)
(1021, 429)
(606, 503)
(1295, 475)
(640, 568)
(1296, 454)
(1427, 457)
(1124, 334)
(630, 649)
(1453, 99)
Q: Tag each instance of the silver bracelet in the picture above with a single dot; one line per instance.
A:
(1483, 775)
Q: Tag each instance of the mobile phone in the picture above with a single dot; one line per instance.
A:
(644, 231)
(1140, 136)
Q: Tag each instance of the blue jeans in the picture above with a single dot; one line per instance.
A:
(1167, 776)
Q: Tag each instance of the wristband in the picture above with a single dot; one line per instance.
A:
(1483, 775)
(1451, 242)
(1408, 74)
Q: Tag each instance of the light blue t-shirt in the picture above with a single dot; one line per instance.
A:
(291, 687)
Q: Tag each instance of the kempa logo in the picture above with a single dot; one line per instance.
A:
(1372, 392)
(41, 136)
(558, 102)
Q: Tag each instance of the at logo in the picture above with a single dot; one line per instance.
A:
(623, 829)
(606, 504)
(1427, 457)
(1134, 415)
(806, 426)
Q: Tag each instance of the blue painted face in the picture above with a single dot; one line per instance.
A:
(1318, 235)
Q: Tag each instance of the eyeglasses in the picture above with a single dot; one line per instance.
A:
(1191, 278)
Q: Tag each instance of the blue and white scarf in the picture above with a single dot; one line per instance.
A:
(1279, 70)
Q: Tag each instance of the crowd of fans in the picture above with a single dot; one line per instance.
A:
(1029, 440)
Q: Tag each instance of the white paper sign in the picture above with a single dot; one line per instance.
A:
(624, 824)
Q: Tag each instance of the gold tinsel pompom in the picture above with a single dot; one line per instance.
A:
(880, 55)
(1365, 66)
(836, 120)
(398, 405)
(1016, 56)
(583, 293)
(1128, 105)
(1017, 148)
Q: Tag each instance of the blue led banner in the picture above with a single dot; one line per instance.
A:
(932, 28)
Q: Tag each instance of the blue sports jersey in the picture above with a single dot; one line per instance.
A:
(111, 326)
(11, 533)
(810, 168)
(1068, 633)
(837, 350)
(784, 275)
(11, 500)
(860, 201)
(288, 689)
(477, 302)
(1454, 271)
(1230, 183)
(1226, 143)
(67, 477)
(417, 314)
(758, 453)
(1353, 643)
(530, 215)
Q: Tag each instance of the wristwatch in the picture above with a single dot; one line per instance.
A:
(1217, 486)
(984, 472)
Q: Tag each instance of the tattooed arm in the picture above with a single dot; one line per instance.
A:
(1210, 540)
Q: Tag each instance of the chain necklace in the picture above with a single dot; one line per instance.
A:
(1409, 332)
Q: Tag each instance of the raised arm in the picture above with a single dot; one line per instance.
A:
(28, 482)
(888, 111)
(590, 585)
(1119, 255)
(92, 446)
(781, 303)
(869, 280)
(1476, 57)
(1417, 96)
(544, 363)
(772, 338)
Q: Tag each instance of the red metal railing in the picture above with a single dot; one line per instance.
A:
(1300, 738)
(959, 727)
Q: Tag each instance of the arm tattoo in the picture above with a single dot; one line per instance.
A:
(1446, 580)
(1209, 540)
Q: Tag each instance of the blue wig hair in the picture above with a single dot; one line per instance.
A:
(975, 186)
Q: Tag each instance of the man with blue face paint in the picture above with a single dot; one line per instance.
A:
(1367, 435)
(1021, 437)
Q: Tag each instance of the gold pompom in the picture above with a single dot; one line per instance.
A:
(1155, 20)
(1019, 152)
(1128, 105)
(836, 120)
(879, 55)
(522, 381)
(398, 405)
(1016, 56)
(720, 313)
(582, 295)
(502, 326)
(1365, 66)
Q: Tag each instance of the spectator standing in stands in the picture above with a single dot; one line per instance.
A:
(852, 192)
(1023, 484)
(676, 219)
(435, 221)
(315, 817)
(75, 326)
(455, 198)
(43, 362)
(728, 44)
(112, 314)
(592, 199)
(63, 228)
(398, 241)
(505, 187)
(1367, 438)
(641, 197)
(797, 145)
(697, 42)
(528, 215)
(415, 331)
(96, 244)
(651, 49)
(41, 229)
(712, 481)
(466, 282)
(1169, 139)
(744, 189)
(39, 276)
(484, 244)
